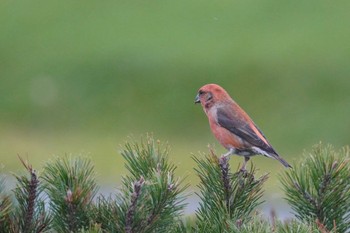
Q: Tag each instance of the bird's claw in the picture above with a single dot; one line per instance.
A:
(223, 161)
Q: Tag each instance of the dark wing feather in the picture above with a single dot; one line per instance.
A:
(242, 129)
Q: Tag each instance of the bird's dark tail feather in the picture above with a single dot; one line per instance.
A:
(284, 162)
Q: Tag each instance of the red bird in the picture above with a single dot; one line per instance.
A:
(232, 126)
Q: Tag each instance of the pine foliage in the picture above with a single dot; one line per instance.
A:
(227, 199)
(62, 197)
(29, 214)
(5, 207)
(318, 189)
(257, 223)
(70, 185)
(151, 198)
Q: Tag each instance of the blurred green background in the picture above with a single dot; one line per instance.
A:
(80, 77)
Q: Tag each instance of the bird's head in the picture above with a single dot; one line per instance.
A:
(210, 94)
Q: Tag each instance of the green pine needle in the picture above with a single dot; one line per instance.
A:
(5, 207)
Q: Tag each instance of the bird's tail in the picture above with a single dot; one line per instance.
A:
(284, 162)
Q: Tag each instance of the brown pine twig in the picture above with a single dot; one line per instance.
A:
(32, 195)
(132, 208)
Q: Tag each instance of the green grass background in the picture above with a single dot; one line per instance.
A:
(80, 77)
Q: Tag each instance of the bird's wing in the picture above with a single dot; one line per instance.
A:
(243, 129)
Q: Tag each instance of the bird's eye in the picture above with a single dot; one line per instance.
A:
(209, 96)
(200, 92)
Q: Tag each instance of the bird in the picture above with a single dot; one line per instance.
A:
(233, 127)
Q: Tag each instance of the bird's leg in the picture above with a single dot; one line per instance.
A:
(246, 159)
(230, 152)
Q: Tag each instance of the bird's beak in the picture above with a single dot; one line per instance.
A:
(196, 100)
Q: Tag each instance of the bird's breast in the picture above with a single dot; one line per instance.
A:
(225, 137)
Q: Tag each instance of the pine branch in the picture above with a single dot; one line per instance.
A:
(71, 187)
(319, 189)
(32, 194)
(5, 207)
(71, 211)
(30, 214)
(106, 214)
(32, 191)
(224, 165)
(131, 210)
(227, 198)
(152, 203)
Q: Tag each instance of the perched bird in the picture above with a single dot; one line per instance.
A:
(232, 126)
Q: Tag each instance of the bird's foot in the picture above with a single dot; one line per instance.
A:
(224, 157)
(223, 161)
